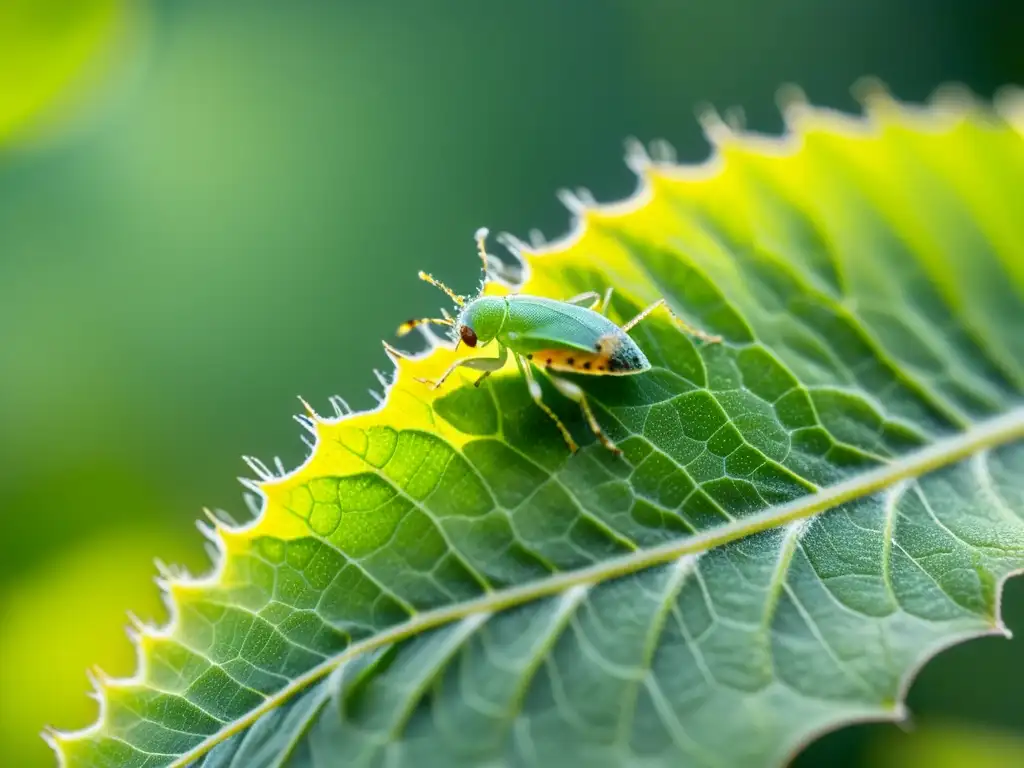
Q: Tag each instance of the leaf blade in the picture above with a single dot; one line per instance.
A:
(854, 380)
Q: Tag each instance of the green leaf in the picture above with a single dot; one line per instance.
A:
(948, 744)
(804, 513)
(49, 50)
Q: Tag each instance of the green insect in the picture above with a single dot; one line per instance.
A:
(569, 336)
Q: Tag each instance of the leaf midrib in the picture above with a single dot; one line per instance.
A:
(985, 435)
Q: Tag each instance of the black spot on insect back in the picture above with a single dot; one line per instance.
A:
(625, 358)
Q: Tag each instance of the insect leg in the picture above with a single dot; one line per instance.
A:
(497, 364)
(486, 364)
(408, 325)
(589, 298)
(685, 326)
(538, 397)
(574, 393)
(606, 302)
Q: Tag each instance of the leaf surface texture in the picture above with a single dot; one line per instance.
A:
(804, 513)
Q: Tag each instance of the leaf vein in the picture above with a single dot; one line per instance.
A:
(996, 431)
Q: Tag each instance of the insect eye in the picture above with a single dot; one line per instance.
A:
(468, 336)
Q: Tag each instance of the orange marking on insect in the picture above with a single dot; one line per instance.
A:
(572, 361)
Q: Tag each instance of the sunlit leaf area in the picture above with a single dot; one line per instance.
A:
(207, 210)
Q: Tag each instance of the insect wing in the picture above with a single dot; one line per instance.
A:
(543, 324)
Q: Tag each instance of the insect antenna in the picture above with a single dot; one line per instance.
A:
(460, 300)
(481, 248)
(409, 325)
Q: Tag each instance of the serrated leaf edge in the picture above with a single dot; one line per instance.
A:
(985, 435)
(948, 105)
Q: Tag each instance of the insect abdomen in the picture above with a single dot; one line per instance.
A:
(625, 356)
(614, 354)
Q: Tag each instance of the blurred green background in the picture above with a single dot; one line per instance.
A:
(208, 207)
